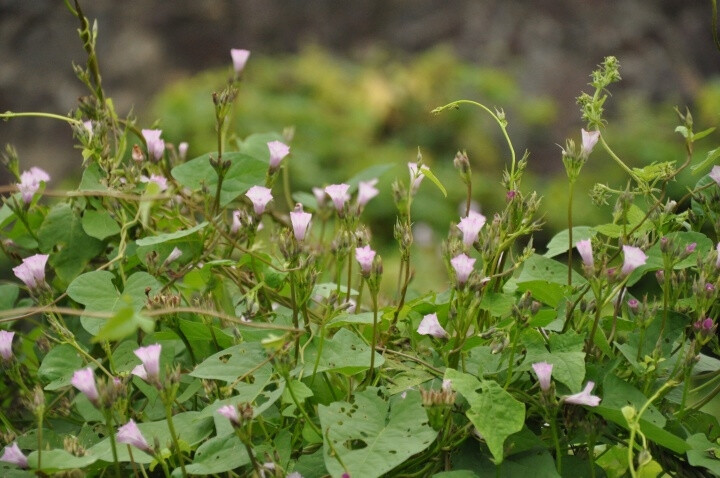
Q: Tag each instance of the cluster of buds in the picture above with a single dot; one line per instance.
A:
(444, 397)
(103, 393)
(591, 106)
(705, 330)
(72, 445)
(676, 252)
(162, 300)
(238, 415)
(572, 159)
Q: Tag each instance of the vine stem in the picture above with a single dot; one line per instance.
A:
(570, 231)
(173, 434)
(9, 114)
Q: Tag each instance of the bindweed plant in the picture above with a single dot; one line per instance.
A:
(190, 317)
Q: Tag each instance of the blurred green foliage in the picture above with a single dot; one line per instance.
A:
(348, 116)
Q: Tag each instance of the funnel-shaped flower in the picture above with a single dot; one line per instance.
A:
(231, 413)
(584, 397)
(338, 194)
(155, 145)
(12, 454)
(130, 434)
(366, 191)
(584, 247)
(239, 58)
(84, 380)
(416, 177)
(182, 150)
(543, 370)
(365, 256)
(320, 196)
(463, 266)
(150, 358)
(30, 183)
(260, 196)
(161, 181)
(589, 140)
(470, 227)
(430, 325)
(278, 151)
(634, 258)
(32, 270)
(300, 222)
(6, 339)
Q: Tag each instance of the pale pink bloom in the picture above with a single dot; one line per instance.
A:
(130, 434)
(320, 195)
(463, 266)
(416, 176)
(470, 227)
(231, 413)
(300, 222)
(12, 454)
(278, 151)
(366, 191)
(429, 325)
(715, 174)
(365, 256)
(543, 370)
(30, 183)
(182, 150)
(6, 339)
(236, 223)
(338, 194)
(584, 247)
(584, 397)
(351, 306)
(294, 474)
(32, 270)
(589, 140)
(717, 261)
(447, 385)
(260, 196)
(239, 58)
(634, 258)
(139, 371)
(84, 380)
(88, 127)
(150, 358)
(174, 255)
(161, 181)
(155, 145)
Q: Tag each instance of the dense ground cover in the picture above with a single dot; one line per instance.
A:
(192, 315)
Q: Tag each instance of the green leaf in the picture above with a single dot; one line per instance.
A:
(92, 179)
(345, 353)
(372, 172)
(429, 174)
(56, 460)
(494, 412)
(542, 268)
(218, 455)
(704, 453)
(8, 295)
(372, 436)
(566, 355)
(245, 171)
(97, 293)
(654, 433)
(549, 293)
(99, 224)
(363, 318)
(618, 393)
(702, 134)
(256, 146)
(170, 236)
(62, 228)
(497, 304)
(58, 366)
(123, 324)
(709, 160)
(231, 363)
(560, 242)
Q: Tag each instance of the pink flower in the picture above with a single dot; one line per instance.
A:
(88, 127)
(463, 266)
(278, 151)
(32, 270)
(150, 358)
(84, 380)
(470, 227)
(584, 247)
(30, 183)
(365, 256)
(300, 222)
(260, 196)
(634, 258)
(366, 191)
(416, 176)
(239, 58)
(6, 339)
(543, 370)
(429, 325)
(717, 261)
(174, 255)
(130, 434)
(236, 223)
(182, 150)
(715, 174)
(338, 194)
(447, 385)
(12, 454)
(584, 397)
(320, 195)
(161, 181)
(155, 145)
(139, 371)
(231, 413)
(589, 140)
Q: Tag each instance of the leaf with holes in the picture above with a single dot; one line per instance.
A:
(372, 436)
(218, 455)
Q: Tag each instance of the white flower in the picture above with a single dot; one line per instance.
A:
(430, 325)
(584, 397)
(589, 140)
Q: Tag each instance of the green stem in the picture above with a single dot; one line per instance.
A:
(286, 187)
(173, 434)
(9, 115)
(113, 445)
(39, 441)
(556, 441)
(619, 161)
(371, 373)
(570, 231)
